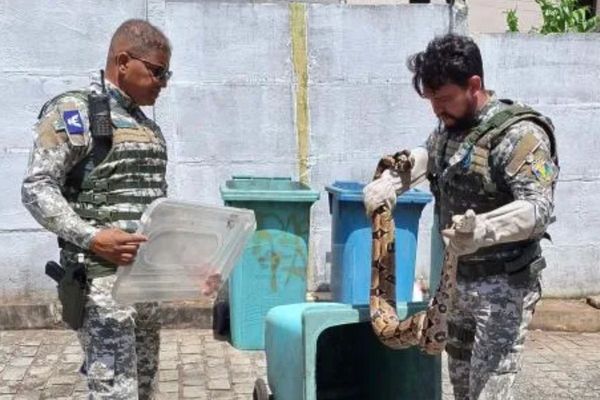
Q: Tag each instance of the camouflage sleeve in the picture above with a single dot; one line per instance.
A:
(61, 140)
(525, 160)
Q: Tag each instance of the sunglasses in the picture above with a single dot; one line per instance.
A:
(159, 72)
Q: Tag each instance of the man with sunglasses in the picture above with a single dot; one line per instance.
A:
(91, 191)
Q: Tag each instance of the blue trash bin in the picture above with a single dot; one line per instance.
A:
(351, 242)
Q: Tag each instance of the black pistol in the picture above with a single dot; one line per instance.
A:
(55, 271)
(100, 121)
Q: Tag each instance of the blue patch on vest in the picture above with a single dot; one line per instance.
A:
(73, 122)
(466, 162)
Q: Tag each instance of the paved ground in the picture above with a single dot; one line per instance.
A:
(43, 364)
(557, 366)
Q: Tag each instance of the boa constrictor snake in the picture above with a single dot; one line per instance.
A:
(426, 329)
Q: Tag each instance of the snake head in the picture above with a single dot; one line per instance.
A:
(403, 162)
(386, 162)
(465, 223)
(398, 163)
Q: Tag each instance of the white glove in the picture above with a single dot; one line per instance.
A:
(466, 235)
(383, 191)
(510, 223)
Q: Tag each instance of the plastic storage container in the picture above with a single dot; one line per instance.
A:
(191, 249)
(318, 351)
(272, 269)
(351, 241)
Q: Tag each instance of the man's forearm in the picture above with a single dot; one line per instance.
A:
(45, 202)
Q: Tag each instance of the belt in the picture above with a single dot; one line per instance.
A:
(473, 270)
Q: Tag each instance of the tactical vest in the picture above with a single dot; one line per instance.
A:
(466, 179)
(116, 192)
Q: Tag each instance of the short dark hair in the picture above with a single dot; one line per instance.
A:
(139, 37)
(449, 59)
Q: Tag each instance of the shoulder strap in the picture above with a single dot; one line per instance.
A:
(81, 93)
(497, 125)
(100, 147)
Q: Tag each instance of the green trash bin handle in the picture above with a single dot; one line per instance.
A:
(249, 177)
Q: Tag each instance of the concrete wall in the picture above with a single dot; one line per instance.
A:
(362, 104)
(485, 16)
(559, 76)
(231, 106)
(234, 87)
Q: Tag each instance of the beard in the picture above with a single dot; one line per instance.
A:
(462, 122)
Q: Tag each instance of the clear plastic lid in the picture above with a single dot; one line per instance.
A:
(191, 250)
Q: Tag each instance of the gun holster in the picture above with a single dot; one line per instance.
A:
(73, 289)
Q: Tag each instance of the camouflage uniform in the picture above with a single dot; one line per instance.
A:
(492, 308)
(120, 343)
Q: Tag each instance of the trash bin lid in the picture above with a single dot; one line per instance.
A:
(352, 191)
(252, 188)
(191, 250)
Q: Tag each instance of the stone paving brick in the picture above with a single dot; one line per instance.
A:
(25, 351)
(169, 375)
(191, 349)
(8, 387)
(168, 364)
(194, 392)
(32, 395)
(21, 361)
(191, 358)
(168, 387)
(219, 384)
(13, 373)
(54, 391)
(194, 365)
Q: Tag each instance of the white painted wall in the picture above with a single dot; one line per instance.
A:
(230, 107)
(560, 76)
(362, 103)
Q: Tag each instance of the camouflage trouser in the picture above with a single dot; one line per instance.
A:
(486, 327)
(120, 344)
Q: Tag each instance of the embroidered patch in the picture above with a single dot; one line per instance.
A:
(48, 137)
(121, 122)
(523, 153)
(73, 122)
(466, 162)
(543, 171)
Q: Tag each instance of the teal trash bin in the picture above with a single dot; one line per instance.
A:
(318, 351)
(351, 241)
(272, 269)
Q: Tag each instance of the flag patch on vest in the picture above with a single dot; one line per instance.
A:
(466, 162)
(542, 170)
(73, 122)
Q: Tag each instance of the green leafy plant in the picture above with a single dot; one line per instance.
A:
(512, 20)
(566, 16)
(559, 16)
